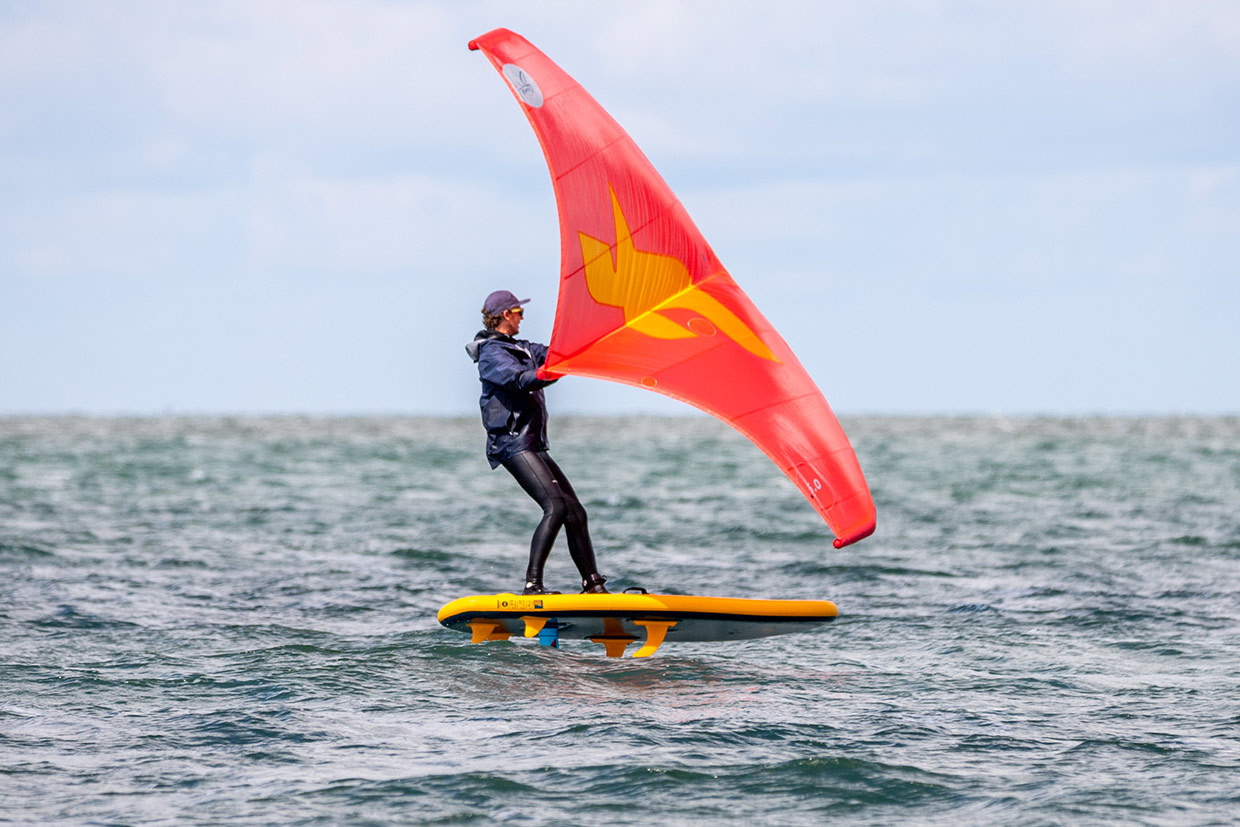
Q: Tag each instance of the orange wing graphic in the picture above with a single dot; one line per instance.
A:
(645, 285)
(655, 307)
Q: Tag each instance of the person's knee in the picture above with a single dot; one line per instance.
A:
(575, 514)
(556, 510)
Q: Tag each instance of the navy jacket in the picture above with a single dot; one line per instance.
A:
(514, 411)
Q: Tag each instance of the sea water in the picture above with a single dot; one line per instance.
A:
(232, 620)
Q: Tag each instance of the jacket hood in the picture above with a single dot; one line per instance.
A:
(484, 336)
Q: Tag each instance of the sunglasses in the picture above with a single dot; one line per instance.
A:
(520, 311)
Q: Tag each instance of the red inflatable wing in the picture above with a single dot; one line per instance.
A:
(644, 301)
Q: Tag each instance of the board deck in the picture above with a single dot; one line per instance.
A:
(617, 620)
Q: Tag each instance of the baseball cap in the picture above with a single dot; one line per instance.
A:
(501, 300)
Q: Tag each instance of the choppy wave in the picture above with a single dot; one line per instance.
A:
(213, 620)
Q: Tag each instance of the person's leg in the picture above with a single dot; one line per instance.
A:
(536, 478)
(580, 547)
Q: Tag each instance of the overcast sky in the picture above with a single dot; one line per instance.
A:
(975, 207)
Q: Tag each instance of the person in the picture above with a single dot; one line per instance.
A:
(514, 413)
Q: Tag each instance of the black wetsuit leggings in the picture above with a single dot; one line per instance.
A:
(543, 480)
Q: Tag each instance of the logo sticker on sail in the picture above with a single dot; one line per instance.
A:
(525, 87)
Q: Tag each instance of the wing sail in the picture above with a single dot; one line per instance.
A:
(644, 301)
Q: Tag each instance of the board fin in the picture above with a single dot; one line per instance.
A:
(534, 625)
(482, 629)
(614, 639)
(656, 631)
(615, 646)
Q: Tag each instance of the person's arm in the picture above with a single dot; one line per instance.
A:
(496, 364)
(540, 359)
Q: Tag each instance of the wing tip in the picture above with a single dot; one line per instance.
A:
(479, 41)
(859, 533)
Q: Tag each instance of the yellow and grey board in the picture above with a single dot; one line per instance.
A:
(617, 620)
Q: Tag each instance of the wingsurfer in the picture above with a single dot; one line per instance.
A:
(514, 414)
